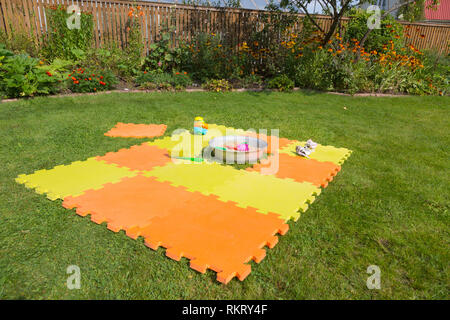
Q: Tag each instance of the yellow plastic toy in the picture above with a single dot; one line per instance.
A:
(200, 127)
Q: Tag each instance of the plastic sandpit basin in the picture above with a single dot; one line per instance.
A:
(256, 146)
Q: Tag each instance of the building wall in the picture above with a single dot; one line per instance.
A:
(442, 11)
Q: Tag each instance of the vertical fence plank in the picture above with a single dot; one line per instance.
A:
(4, 21)
(152, 25)
(8, 17)
(34, 20)
(123, 18)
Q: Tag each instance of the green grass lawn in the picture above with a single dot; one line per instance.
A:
(389, 205)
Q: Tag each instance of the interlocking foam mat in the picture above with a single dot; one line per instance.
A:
(301, 169)
(322, 153)
(143, 157)
(131, 130)
(213, 214)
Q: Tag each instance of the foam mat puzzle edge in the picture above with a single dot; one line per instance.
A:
(322, 152)
(52, 192)
(267, 227)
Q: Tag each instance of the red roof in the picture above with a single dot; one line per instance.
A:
(442, 11)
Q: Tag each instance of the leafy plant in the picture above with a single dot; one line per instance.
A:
(65, 43)
(313, 72)
(390, 30)
(251, 81)
(208, 57)
(112, 57)
(19, 41)
(281, 83)
(57, 67)
(21, 76)
(160, 79)
(162, 56)
(132, 59)
(217, 85)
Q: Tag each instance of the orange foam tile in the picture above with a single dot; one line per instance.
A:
(131, 130)
(130, 203)
(301, 169)
(142, 157)
(215, 235)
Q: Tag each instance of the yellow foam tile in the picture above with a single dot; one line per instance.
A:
(321, 153)
(202, 177)
(268, 193)
(284, 197)
(226, 130)
(73, 179)
(182, 145)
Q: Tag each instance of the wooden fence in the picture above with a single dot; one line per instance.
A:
(111, 18)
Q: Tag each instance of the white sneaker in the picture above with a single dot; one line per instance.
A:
(311, 145)
(303, 151)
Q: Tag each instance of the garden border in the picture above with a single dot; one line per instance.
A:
(368, 94)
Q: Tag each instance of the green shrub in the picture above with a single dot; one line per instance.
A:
(58, 67)
(159, 79)
(251, 81)
(5, 52)
(65, 43)
(313, 70)
(162, 56)
(378, 38)
(208, 57)
(113, 58)
(148, 86)
(281, 83)
(432, 77)
(21, 76)
(132, 59)
(263, 52)
(85, 80)
(216, 85)
(20, 41)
